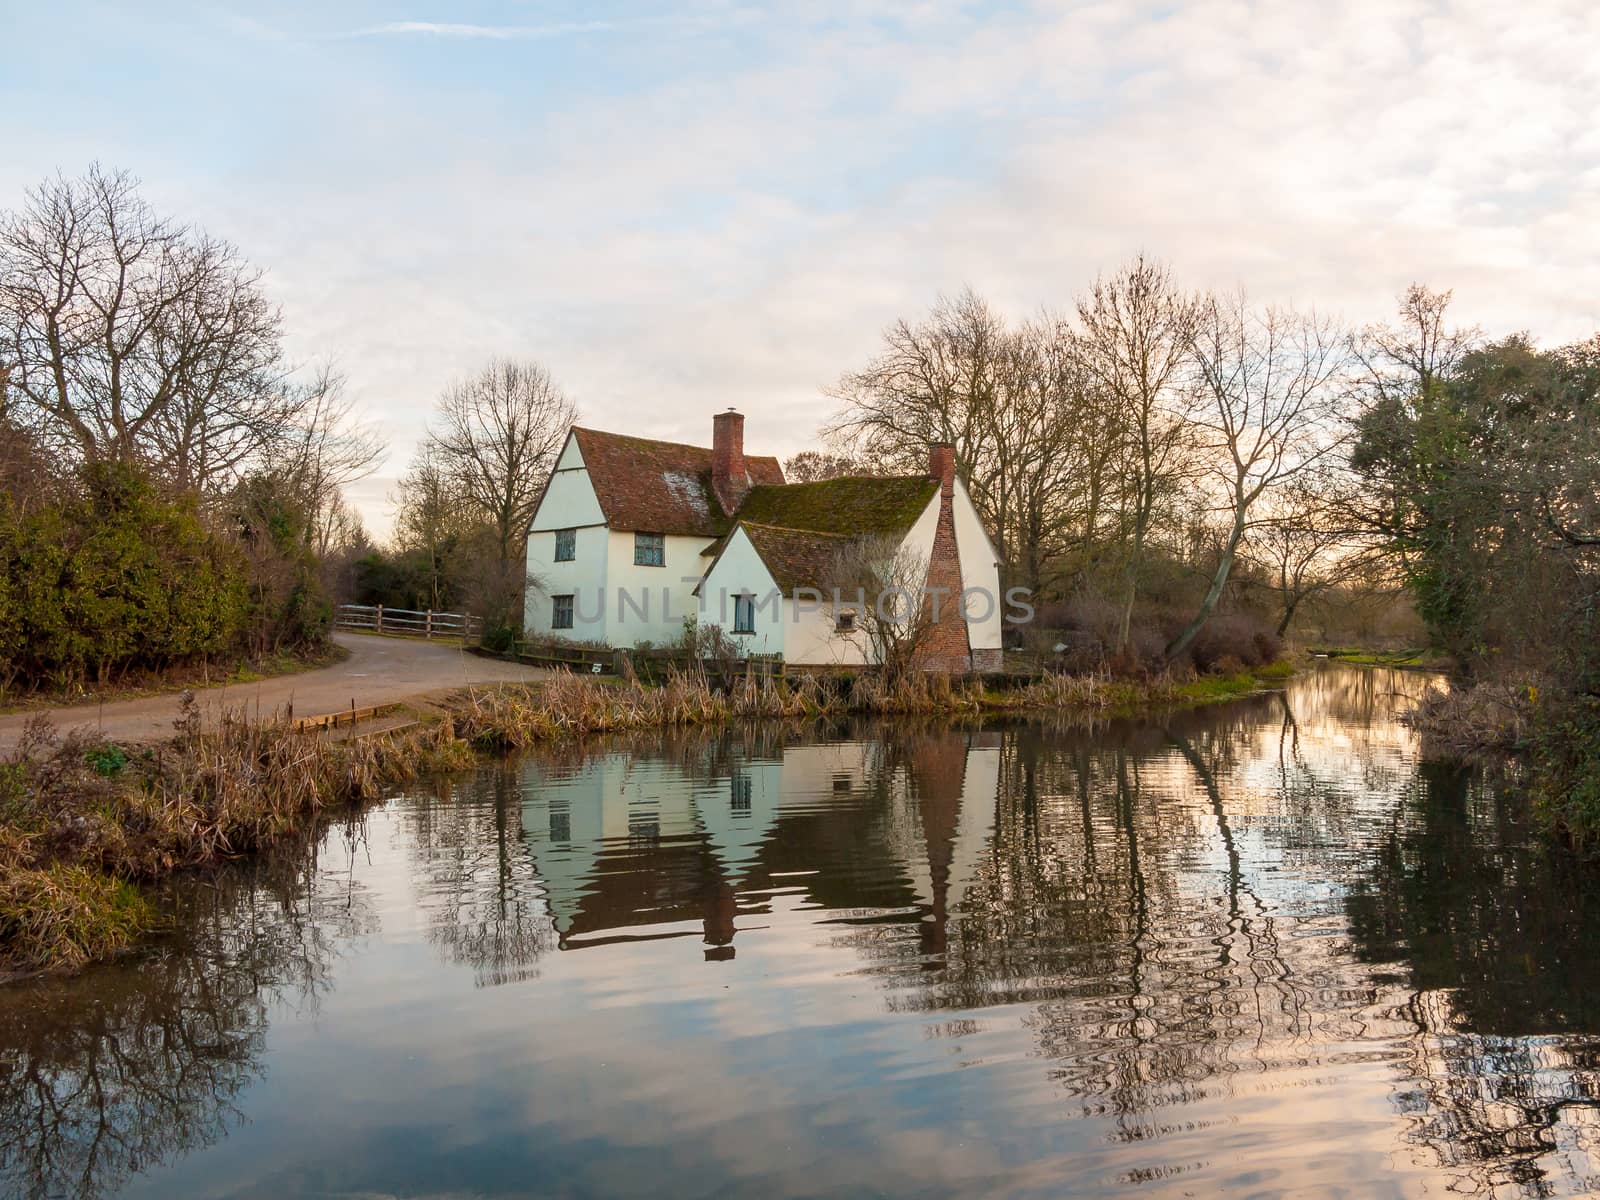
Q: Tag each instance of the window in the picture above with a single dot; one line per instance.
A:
(560, 612)
(846, 621)
(566, 545)
(649, 550)
(744, 614)
(739, 802)
(560, 825)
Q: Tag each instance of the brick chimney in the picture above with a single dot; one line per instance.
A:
(942, 466)
(948, 648)
(729, 478)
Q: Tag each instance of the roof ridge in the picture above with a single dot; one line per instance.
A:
(849, 478)
(639, 437)
(793, 528)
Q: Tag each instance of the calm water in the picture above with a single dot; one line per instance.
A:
(1259, 951)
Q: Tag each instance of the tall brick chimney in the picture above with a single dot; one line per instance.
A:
(942, 466)
(729, 478)
(949, 646)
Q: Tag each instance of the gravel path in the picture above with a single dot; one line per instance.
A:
(380, 670)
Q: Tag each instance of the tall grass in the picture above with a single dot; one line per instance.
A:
(575, 705)
(82, 824)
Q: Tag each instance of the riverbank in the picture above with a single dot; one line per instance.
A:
(86, 822)
(1549, 738)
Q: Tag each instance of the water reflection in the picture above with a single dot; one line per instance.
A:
(135, 1064)
(1257, 950)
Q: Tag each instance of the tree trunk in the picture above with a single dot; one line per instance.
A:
(1213, 594)
(1288, 615)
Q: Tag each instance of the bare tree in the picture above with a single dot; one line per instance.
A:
(1044, 480)
(1136, 329)
(324, 450)
(1398, 361)
(432, 521)
(880, 580)
(933, 382)
(813, 466)
(1271, 381)
(1302, 544)
(1004, 398)
(497, 437)
(131, 337)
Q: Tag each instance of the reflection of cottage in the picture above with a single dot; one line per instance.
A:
(627, 848)
(633, 535)
(647, 811)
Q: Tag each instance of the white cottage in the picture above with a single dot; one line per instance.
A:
(632, 535)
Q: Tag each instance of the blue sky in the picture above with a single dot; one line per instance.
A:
(678, 207)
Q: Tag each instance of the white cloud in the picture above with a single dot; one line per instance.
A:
(753, 198)
(450, 29)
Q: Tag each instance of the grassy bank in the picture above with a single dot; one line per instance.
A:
(85, 824)
(1400, 660)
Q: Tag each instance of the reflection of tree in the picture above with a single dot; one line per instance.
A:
(477, 883)
(138, 1062)
(1494, 930)
(1143, 892)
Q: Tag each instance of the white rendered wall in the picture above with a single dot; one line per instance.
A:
(583, 578)
(979, 569)
(811, 637)
(802, 631)
(919, 539)
(568, 503)
(665, 595)
(740, 571)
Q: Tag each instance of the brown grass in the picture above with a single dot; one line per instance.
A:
(1486, 717)
(81, 824)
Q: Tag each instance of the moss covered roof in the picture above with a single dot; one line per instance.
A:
(853, 505)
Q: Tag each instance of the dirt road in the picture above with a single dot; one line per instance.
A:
(380, 670)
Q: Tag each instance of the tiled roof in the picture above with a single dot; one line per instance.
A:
(797, 558)
(660, 487)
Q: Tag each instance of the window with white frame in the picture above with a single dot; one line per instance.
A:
(845, 621)
(566, 545)
(744, 614)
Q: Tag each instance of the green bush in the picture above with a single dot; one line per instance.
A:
(287, 608)
(1565, 759)
(111, 578)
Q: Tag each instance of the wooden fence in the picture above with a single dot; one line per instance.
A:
(650, 665)
(364, 618)
(578, 659)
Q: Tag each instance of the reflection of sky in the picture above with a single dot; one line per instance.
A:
(832, 1054)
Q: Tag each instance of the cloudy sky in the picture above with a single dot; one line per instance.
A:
(678, 207)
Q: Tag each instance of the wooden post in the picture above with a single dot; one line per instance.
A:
(427, 632)
(378, 626)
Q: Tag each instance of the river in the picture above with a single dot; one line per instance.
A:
(1261, 949)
